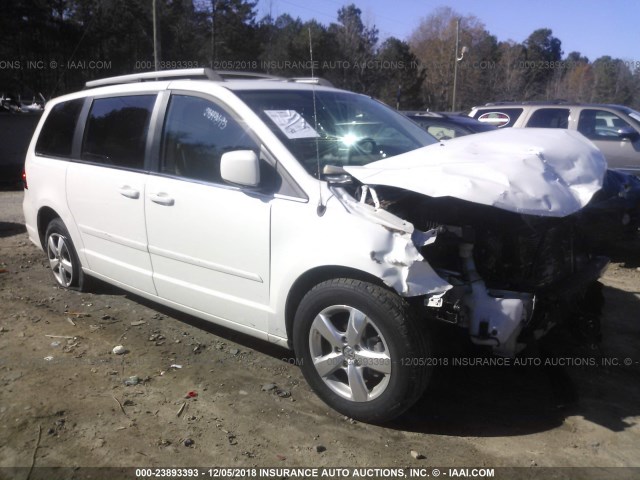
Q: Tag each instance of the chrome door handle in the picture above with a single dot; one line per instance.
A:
(162, 199)
(127, 191)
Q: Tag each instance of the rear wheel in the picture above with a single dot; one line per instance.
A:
(357, 344)
(63, 258)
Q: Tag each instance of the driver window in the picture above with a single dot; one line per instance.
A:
(196, 134)
(600, 124)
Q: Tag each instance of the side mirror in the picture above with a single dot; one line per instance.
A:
(241, 167)
(627, 133)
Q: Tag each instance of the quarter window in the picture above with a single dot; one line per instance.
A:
(116, 132)
(56, 137)
(196, 134)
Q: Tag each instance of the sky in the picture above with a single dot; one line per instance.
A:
(594, 28)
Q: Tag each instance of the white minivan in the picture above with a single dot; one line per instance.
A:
(318, 219)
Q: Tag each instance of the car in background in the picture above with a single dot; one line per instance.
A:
(614, 129)
(445, 126)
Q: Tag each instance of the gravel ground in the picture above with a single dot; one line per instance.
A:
(67, 401)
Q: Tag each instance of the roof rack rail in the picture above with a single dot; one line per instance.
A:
(238, 75)
(311, 80)
(558, 101)
(185, 73)
(199, 74)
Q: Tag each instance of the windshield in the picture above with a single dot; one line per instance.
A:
(350, 129)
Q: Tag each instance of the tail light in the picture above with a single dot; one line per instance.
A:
(24, 179)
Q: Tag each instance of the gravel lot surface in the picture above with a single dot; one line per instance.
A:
(250, 405)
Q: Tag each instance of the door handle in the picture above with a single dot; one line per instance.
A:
(162, 199)
(127, 191)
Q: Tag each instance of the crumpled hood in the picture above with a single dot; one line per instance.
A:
(546, 172)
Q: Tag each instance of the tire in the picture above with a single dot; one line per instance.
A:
(359, 348)
(63, 259)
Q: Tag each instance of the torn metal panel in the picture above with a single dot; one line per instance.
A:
(544, 172)
(376, 215)
(408, 273)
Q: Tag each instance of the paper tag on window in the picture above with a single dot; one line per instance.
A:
(291, 124)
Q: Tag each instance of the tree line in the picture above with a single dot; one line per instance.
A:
(54, 47)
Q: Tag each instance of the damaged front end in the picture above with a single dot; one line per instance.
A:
(506, 255)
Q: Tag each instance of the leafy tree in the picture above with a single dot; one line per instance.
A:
(48, 46)
(433, 42)
(356, 44)
(509, 76)
(398, 81)
(542, 51)
(612, 81)
(232, 30)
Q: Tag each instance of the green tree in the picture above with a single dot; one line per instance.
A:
(399, 80)
(508, 78)
(613, 82)
(356, 44)
(542, 51)
(232, 31)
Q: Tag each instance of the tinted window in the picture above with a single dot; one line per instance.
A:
(196, 134)
(549, 118)
(116, 131)
(56, 136)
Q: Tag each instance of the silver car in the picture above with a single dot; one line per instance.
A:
(614, 129)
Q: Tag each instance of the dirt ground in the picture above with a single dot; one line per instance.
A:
(59, 377)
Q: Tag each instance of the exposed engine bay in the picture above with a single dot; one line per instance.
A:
(512, 276)
(518, 241)
(520, 273)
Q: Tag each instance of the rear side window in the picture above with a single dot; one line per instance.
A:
(549, 118)
(56, 136)
(116, 131)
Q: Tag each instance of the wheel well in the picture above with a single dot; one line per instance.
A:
(45, 215)
(312, 278)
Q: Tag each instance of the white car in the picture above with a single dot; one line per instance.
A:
(314, 218)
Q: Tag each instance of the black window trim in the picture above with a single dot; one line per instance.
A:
(612, 111)
(156, 150)
(82, 124)
(73, 140)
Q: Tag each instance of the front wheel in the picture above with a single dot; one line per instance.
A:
(63, 258)
(357, 344)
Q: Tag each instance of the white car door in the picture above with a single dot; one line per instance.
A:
(209, 242)
(106, 190)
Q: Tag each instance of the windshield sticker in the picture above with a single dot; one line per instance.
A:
(216, 117)
(291, 124)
